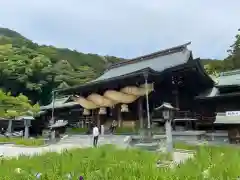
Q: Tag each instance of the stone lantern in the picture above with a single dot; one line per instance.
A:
(168, 115)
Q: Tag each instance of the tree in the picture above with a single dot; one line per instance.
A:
(214, 67)
(12, 107)
(234, 53)
(211, 70)
(36, 69)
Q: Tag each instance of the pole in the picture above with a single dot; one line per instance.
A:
(140, 112)
(53, 103)
(147, 101)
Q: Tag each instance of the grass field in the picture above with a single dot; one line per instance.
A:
(108, 162)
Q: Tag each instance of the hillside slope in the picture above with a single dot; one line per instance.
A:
(36, 69)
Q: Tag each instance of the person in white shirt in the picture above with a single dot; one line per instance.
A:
(95, 135)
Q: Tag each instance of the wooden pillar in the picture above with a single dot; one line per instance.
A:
(98, 120)
(177, 99)
(176, 96)
(140, 112)
(147, 101)
(119, 115)
(175, 93)
(93, 118)
(53, 106)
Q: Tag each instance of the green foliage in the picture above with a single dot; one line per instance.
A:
(214, 67)
(22, 141)
(9, 33)
(108, 162)
(102, 163)
(11, 107)
(37, 70)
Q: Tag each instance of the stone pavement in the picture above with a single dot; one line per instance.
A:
(74, 141)
(87, 140)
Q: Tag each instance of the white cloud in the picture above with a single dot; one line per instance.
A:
(126, 28)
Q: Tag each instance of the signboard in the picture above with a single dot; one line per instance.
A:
(232, 113)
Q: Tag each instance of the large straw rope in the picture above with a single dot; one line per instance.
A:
(126, 95)
(100, 101)
(86, 103)
(120, 97)
(137, 91)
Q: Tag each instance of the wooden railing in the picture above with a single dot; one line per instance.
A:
(192, 115)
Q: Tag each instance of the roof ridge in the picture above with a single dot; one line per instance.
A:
(151, 55)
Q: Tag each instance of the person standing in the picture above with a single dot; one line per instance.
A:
(95, 135)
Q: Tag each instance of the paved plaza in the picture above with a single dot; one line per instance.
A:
(75, 141)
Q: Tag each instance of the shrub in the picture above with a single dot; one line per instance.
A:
(22, 141)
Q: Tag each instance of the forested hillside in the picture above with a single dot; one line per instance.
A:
(26, 67)
(35, 70)
(231, 62)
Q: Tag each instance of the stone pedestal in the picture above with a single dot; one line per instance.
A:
(102, 129)
(146, 135)
(53, 135)
(169, 142)
(27, 123)
(9, 129)
(26, 132)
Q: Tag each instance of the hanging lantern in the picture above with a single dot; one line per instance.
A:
(86, 112)
(102, 110)
(124, 108)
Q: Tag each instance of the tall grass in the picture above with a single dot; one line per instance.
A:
(108, 162)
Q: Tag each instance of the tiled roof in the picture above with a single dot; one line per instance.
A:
(158, 61)
(212, 92)
(59, 103)
(229, 78)
(25, 118)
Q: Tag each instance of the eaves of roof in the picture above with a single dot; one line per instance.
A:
(150, 56)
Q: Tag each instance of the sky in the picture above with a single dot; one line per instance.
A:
(126, 28)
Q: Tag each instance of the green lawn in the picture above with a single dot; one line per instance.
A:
(108, 162)
(22, 141)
